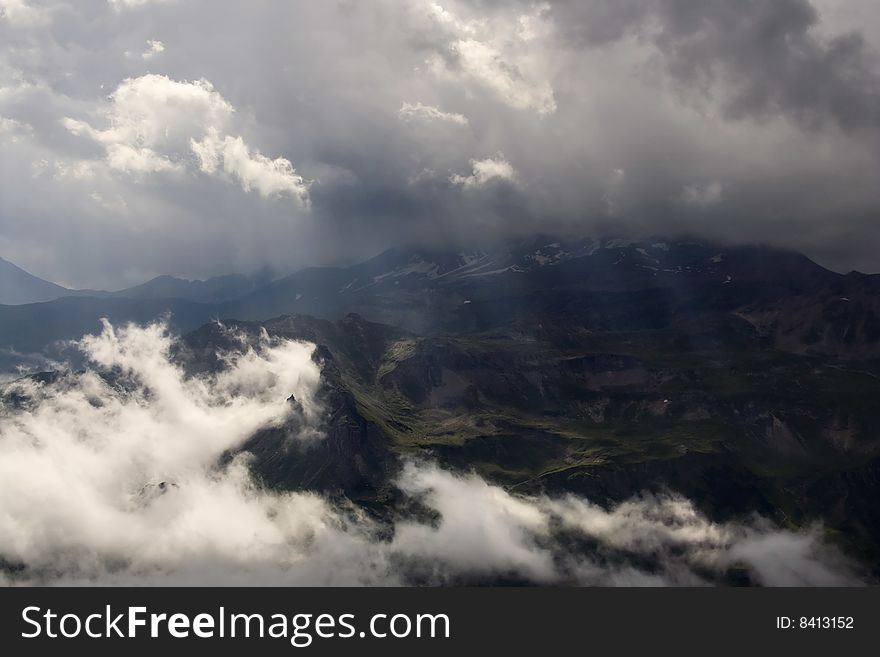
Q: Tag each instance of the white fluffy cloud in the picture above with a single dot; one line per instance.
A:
(485, 530)
(411, 111)
(96, 453)
(150, 120)
(252, 169)
(113, 476)
(484, 172)
(675, 533)
(156, 124)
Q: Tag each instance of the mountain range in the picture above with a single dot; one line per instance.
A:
(744, 377)
(533, 285)
(18, 286)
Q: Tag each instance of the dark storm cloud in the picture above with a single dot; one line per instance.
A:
(342, 128)
(768, 58)
(760, 56)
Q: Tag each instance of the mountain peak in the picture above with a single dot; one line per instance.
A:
(18, 286)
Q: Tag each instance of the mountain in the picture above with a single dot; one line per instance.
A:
(841, 317)
(32, 333)
(531, 288)
(18, 286)
(212, 290)
(743, 377)
(597, 283)
(721, 417)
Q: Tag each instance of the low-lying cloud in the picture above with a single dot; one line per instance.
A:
(117, 475)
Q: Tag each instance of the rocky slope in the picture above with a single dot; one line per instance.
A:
(722, 417)
(745, 378)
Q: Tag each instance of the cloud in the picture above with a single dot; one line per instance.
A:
(409, 112)
(116, 475)
(482, 529)
(150, 120)
(22, 14)
(252, 169)
(769, 59)
(76, 169)
(758, 59)
(776, 100)
(477, 52)
(486, 531)
(702, 195)
(485, 172)
(156, 124)
(154, 48)
(102, 446)
(116, 205)
(11, 128)
(130, 4)
(671, 531)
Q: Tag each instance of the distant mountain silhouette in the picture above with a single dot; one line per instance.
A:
(18, 286)
(541, 284)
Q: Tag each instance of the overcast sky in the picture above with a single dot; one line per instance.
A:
(197, 137)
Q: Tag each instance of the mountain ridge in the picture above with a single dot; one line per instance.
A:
(745, 378)
(608, 284)
(19, 286)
